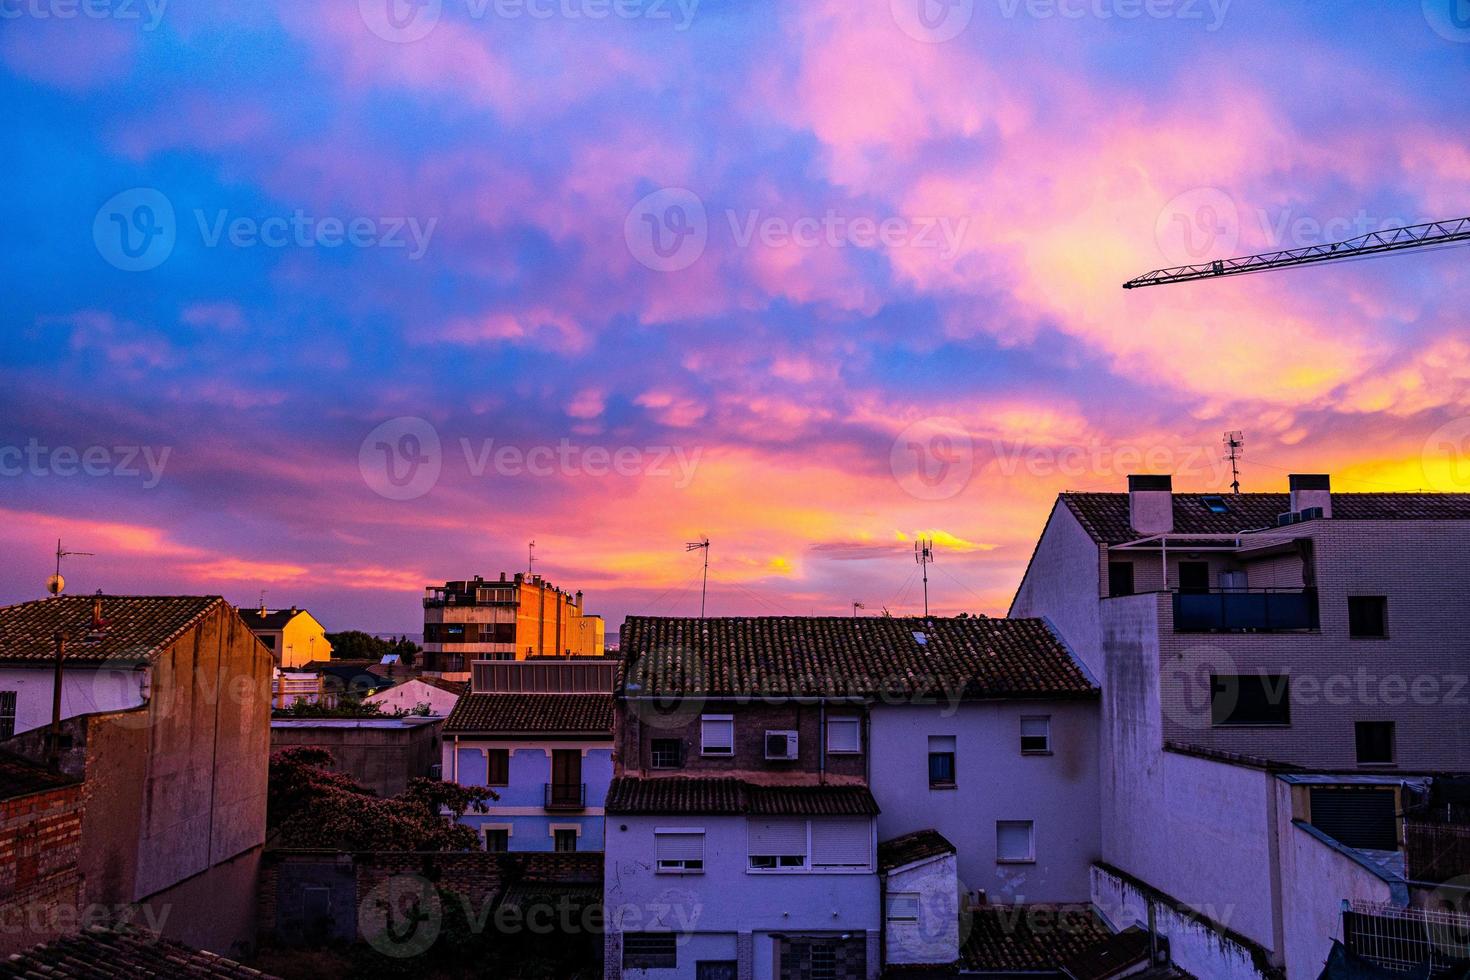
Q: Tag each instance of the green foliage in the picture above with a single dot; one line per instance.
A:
(347, 706)
(357, 645)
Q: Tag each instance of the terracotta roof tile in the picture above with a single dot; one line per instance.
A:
(137, 627)
(126, 954)
(1029, 937)
(912, 847)
(20, 776)
(726, 796)
(843, 656)
(1105, 515)
(477, 712)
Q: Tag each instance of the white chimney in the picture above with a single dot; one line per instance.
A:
(1311, 490)
(1151, 503)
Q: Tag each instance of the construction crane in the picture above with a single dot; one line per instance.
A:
(1433, 234)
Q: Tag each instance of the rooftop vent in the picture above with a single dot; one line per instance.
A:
(1311, 491)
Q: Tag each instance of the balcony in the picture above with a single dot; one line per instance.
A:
(1246, 611)
(566, 796)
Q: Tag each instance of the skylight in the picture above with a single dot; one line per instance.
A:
(1216, 504)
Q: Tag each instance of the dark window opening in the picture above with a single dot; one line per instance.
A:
(1120, 578)
(1361, 818)
(941, 768)
(7, 714)
(1375, 742)
(497, 771)
(1367, 615)
(497, 841)
(1250, 699)
(666, 753)
(565, 840)
(650, 951)
(1194, 576)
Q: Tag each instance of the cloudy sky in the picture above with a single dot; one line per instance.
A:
(338, 299)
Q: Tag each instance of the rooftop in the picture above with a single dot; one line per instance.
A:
(269, 619)
(20, 776)
(532, 713)
(126, 954)
(135, 628)
(917, 846)
(726, 796)
(1105, 515)
(1030, 938)
(842, 656)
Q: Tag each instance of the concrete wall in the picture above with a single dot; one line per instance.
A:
(727, 899)
(381, 754)
(994, 781)
(935, 937)
(1062, 584)
(521, 808)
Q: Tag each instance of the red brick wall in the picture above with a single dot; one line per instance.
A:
(40, 837)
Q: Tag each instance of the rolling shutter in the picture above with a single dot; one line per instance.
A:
(777, 837)
(842, 843)
(678, 847)
(1357, 818)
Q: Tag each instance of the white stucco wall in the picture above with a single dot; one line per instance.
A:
(994, 781)
(1062, 584)
(935, 937)
(410, 694)
(84, 690)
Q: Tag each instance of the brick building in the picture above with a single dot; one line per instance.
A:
(40, 837)
(516, 617)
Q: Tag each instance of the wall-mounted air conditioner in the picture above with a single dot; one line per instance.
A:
(780, 745)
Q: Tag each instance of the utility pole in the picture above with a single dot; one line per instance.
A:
(53, 751)
(924, 554)
(703, 543)
(1234, 442)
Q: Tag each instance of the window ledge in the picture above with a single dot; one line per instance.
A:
(1036, 752)
(1015, 860)
(943, 786)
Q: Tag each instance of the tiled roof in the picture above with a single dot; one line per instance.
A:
(20, 776)
(844, 656)
(477, 712)
(136, 627)
(456, 688)
(126, 954)
(1110, 958)
(273, 619)
(726, 796)
(1029, 937)
(1105, 515)
(912, 847)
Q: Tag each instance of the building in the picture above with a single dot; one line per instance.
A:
(293, 636)
(382, 754)
(769, 768)
(40, 842)
(164, 714)
(540, 734)
(1278, 670)
(509, 619)
(424, 695)
(108, 953)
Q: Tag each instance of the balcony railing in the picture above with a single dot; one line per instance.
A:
(1246, 611)
(566, 796)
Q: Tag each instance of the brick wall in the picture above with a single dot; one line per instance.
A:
(40, 837)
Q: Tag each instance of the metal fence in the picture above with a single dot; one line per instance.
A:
(1403, 938)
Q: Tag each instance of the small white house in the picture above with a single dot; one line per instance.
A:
(921, 896)
(423, 695)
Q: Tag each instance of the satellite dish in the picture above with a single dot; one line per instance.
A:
(55, 583)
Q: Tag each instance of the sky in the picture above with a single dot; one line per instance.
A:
(337, 300)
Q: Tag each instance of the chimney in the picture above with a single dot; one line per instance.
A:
(1151, 503)
(1311, 490)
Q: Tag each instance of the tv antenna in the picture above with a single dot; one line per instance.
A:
(530, 557)
(856, 606)
(703, 542)
(1234, 442)
(56, 583)
(924, 555)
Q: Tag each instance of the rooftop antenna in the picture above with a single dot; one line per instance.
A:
(703, 542)
(56, 583)
(262, 602)
(924, 554)
(530, 558)
(856, 606)
(1234, 442)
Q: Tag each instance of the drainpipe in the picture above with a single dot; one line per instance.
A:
(1153, 935)
(822, 741)
(54, 751)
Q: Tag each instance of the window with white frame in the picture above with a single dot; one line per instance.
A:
(678, 852)
(7, 714)
(777, 845)
(1036, 734)
(842, 844)
(1015, 841)
(901, 906)
(844, 735)
(717, 735)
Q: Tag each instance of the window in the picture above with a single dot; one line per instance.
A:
(1375, 742)
(666, 753)
(1215, 504)
(842, 843)
(844, 735)
(1194, 576)
(1015, 841)
(941, 760)
(497, 767)
(497, 840)
(678, 851)
(564, 839)
(901, 906)
(650, 951)
(7, 714)
(269, 640)
(1036, 735)
(1250, 699)
(776, 844)
(717, 735)
(1120, 578)
(1367, 615)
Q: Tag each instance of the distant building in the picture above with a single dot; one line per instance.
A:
(382, 754)
(509, 619)
(539, 733)
(425, 695)
(293, 636)
(165, 717)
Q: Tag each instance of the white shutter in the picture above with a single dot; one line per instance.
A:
(842, 843)
(843, 735)
(678, 847)
(717, 735)
(903, 906)
(777, 837)
(1014, 840)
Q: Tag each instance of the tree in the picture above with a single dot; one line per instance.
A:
(357, 645)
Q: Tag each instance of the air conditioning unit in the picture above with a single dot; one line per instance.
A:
(780, 745)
